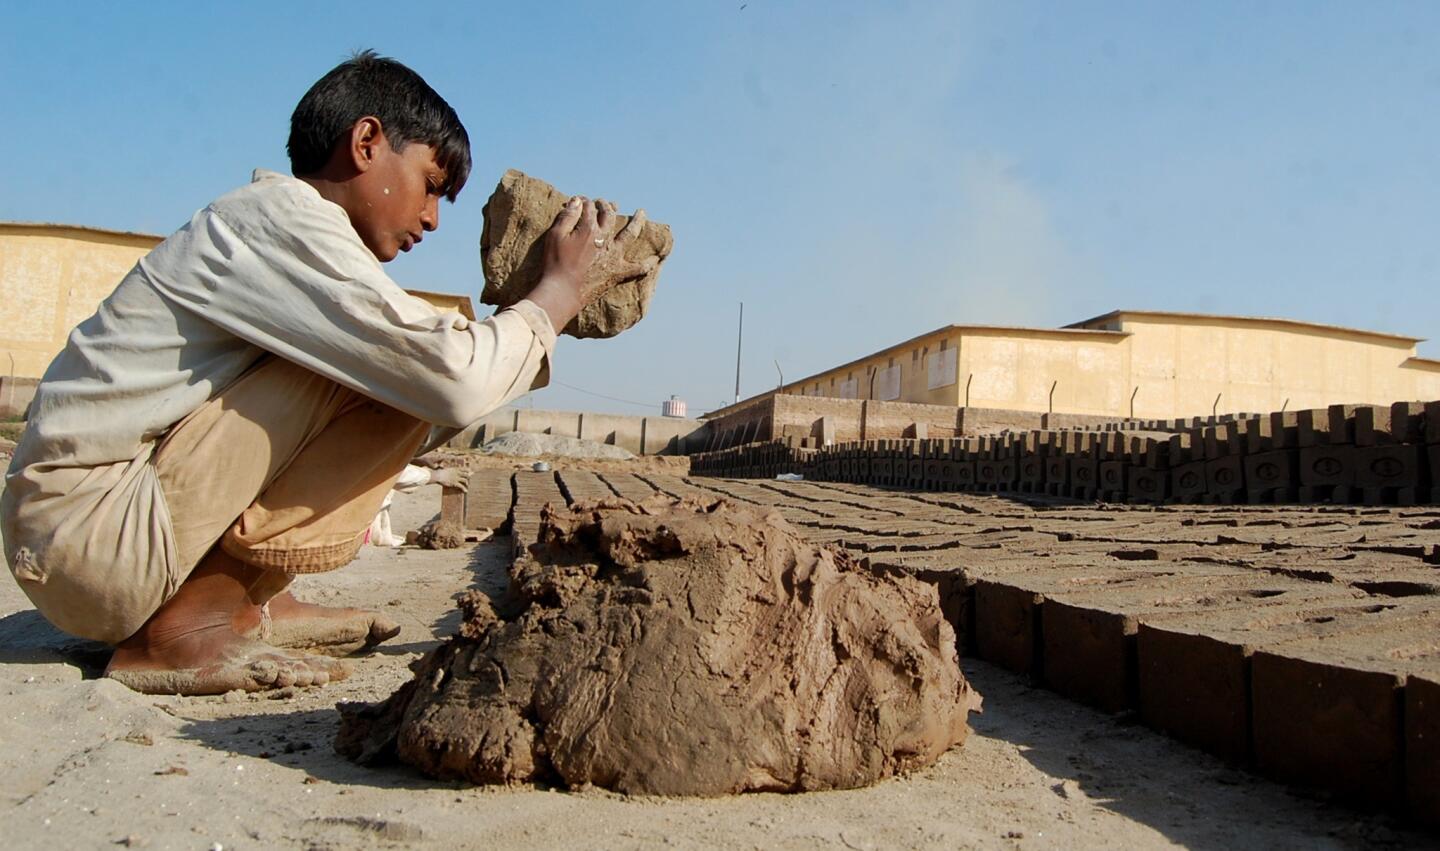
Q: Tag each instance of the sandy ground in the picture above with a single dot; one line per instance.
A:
(86, 763)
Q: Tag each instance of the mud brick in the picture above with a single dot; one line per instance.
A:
(1407, 422)
(1084, 472)
(487, 505)
(1432, 422)
(1005, 473)
(1394, 466)
(1284, 428)
(1144, 484)
(1329, 711)
(1312, 428)
(1271, 476)
(1223, 440)
(1372, 426)
(1007, 625)
(1194, 667)
(987, 473)
(1182, 449)
(915, 474)
(1089, 650)
(1327, 466)
(1422, 748)
(1187, 482)
(964, 475)
(931, 474)
(1030, 471)
(1057, 475)
(1269, 432)
(1225, 478)
(452, 507)
(1257, 435)
(579, 485)
(1328, 725)
(948, 480)
(1111, 475)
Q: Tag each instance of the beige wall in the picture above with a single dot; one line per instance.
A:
(51, 278)
(1171, 365)
(1181, 364)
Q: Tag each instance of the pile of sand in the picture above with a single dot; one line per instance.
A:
(680, 648)
(522, 445)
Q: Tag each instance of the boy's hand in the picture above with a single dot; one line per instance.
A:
(580, 235)
(450, 478)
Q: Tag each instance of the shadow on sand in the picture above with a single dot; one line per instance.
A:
(26, 638)
(1180, 792)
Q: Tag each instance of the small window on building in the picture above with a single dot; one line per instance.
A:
(914, 355)
(944, 344)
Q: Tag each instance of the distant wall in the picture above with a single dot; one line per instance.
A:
(51, 278)
(15, 395)
(640, 435)
(823, 420)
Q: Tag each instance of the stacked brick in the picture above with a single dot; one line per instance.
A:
(763, 460)
(488, 500)
(1344, 454)
(533, 491)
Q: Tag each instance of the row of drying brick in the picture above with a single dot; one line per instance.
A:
(524, 493)
(1309, 683)
(1343, 454)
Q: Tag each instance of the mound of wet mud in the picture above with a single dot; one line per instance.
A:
(680, 648)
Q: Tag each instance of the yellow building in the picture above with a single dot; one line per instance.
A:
(51, 278)
(1144, 364)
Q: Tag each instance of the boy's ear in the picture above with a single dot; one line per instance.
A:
(366, 137)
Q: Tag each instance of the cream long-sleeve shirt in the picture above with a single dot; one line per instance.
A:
(271, 267)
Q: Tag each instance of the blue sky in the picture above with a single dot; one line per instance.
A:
(856, 173)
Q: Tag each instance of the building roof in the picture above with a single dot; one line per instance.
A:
(1067, 333)
(80, 228)
(1249, 320)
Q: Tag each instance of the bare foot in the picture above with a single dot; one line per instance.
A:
(196, 642)
(330, 630)
(229, 662)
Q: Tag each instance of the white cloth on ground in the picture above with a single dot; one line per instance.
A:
(382, 534)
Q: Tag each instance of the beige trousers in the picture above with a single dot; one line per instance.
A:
(283, 469)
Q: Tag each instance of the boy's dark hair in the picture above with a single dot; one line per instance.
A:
(408, 109)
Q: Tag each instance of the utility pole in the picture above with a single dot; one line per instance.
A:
(739, 338)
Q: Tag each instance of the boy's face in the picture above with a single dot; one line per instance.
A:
(396, 197)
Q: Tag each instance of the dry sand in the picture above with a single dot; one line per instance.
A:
(87, 763)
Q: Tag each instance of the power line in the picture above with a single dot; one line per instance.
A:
(602, 395)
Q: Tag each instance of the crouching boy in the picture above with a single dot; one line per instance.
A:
(236, 411)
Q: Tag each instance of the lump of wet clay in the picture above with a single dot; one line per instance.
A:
(679, 648)
(512, 252)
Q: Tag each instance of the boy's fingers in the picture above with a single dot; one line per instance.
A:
(604, 215)
(589, 220)
(570, 214)
(633, 227)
